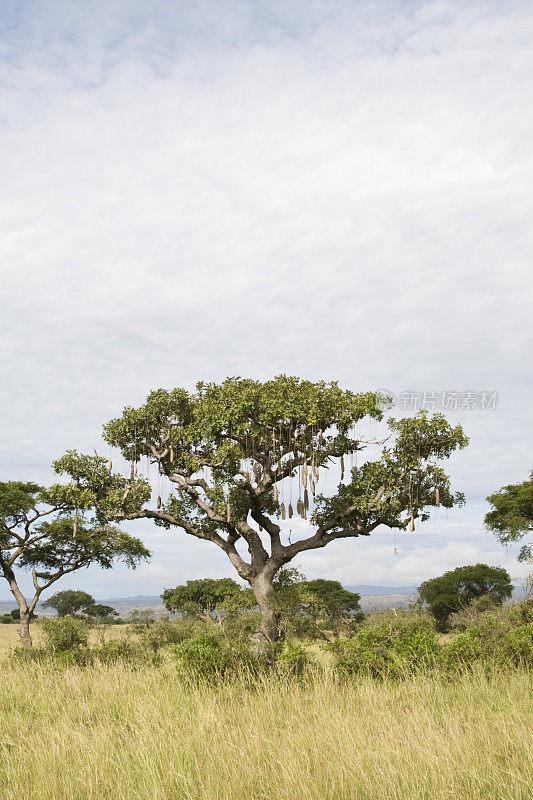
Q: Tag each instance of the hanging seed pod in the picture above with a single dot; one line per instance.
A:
(171, 455)
(291, 512)
(110, 466)
(412, 523)
(306, 500)
(304, 468)
(228, 513)
(275, 493)
(283, 511)
(342, 467)
(132, 473)
(316, 473)
(320, 436)
(75, 526)
(312, 485)
(304, 513)
(273, 442)
(304, 480)
(159, 502)
(437, 496)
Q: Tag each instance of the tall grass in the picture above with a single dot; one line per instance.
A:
(119, 733)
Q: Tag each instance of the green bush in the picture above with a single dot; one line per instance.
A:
(292, 658)
(390, 646)
(210, 655)
(516, 647)
(65, 633)
(204, 655)
(463, 650)
(164, 632)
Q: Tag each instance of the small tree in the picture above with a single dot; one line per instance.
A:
(231, 452)
(38, 533)
(102, 612)
(457, 588)
(333, 604)
(201, 597)
(70, 601)
(511, 517)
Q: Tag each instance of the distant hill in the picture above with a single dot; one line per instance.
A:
(365, 590)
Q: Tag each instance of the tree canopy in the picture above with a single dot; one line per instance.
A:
(456, 589)
(511, 516)
(241, 458)
(75, 601)
(70, 601)
(201, 596)
(45, 532)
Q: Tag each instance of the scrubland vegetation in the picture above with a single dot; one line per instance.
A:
(183, 709)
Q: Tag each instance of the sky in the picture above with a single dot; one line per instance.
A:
(334, 190)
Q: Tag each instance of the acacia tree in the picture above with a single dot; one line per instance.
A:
(70, 601)
(41, 531)
(230, 452)
(511, 516)
(456, 589)
(201, 597)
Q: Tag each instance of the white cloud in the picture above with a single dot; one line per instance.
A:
(331, 190)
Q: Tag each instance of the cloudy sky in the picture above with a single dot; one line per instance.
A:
(337, 190)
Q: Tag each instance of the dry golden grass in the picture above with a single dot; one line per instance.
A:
(9, 638)
(117, 733)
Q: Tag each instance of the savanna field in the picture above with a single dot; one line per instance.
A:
(146, 732)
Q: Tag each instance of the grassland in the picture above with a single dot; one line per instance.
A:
(120, 733)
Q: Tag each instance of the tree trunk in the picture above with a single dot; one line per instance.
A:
(263, 590)
(24, 623)
(24, 628)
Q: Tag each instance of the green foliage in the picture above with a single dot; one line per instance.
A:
(164, 632)
(308, 608)
(202, 597)
(404, 479)
(14, 616)
(70, 601)
(331, 603)
(49, 532)
(278, 425)
(292, 658)
(141, 618)
(511, 516)
(65, 633)
(93, 543)
(454, 590)
(493, 640)
(391, 646)
(101, 612)
(205, 656)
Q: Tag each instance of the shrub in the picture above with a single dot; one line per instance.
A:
(292, 658)
(65, 633)
(388, 647)
(516, 647)
(164, 632)
(462, 650)
(210, 655)
(204, 655)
